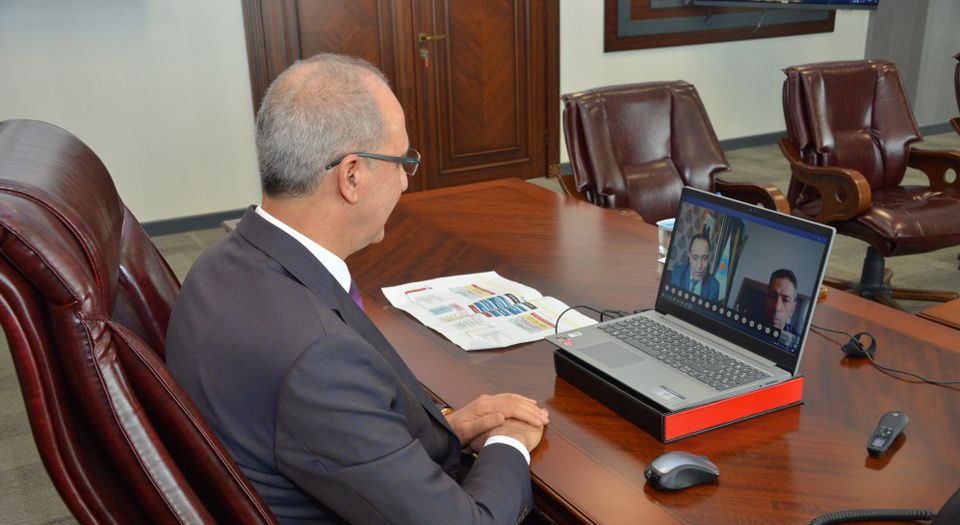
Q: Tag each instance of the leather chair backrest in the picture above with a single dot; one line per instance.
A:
(852, 115)
(85, 298)
(636, 145)
(956, 79)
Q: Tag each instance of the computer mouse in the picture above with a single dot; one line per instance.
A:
(678, 470)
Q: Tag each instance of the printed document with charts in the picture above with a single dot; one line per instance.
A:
(480, 311)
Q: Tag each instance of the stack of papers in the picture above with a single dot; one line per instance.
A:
(480, 311)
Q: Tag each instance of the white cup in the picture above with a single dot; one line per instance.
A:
(664, 232)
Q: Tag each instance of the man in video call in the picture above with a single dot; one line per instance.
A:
(693, 276)
(270, 338)
(781, 302)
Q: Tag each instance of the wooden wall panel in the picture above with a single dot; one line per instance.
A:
(483, 101)
(491, 120)
(362, 28)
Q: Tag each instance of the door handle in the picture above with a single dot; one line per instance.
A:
(423, 37)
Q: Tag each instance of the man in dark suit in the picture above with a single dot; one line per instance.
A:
(781, 301)
(269, 337)
(693, 276)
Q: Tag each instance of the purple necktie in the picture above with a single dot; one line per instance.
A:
(355, 294)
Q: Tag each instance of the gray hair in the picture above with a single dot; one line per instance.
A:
(323, 112)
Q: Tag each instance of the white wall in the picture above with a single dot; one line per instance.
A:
(739, 82)
(935, 101)
(896, 33)
(159, 89)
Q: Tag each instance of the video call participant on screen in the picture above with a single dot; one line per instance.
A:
(270, 338)
(693, 276)
(781, 302)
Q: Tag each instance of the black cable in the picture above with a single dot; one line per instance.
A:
(620, 313)
(847, 516)
(886, 368)
(613, 313)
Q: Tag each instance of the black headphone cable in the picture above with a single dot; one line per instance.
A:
(882, 367)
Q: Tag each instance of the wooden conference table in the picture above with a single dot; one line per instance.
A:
(784, 467)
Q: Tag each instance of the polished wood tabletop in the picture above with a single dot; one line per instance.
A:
(947, 313)
(784, 467)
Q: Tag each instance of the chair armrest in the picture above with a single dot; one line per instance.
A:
(766, 195)
(844, 193)
(955, 122)
(935, 164)
(569, 186)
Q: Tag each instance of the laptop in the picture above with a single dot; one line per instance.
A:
(736, 298)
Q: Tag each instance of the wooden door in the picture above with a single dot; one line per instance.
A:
(482, 100)
(476, 107)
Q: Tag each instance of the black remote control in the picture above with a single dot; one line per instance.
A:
(890, 426)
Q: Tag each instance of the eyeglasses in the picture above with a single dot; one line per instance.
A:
(410, 162)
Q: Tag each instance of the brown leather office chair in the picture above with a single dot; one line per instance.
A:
(955, 121)
(851, 132)
(637, 145)
(85, 299)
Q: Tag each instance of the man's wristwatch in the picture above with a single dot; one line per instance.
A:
(446, 411)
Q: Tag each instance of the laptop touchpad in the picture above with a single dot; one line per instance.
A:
(612, 355)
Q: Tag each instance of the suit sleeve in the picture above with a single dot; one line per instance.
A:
(676, 276)
(714, 293)
(347, 434)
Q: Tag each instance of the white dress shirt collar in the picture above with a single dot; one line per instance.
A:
(331, 262)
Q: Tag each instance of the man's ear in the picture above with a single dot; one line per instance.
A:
(349, 175)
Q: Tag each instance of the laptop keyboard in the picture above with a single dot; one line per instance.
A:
(683, 353)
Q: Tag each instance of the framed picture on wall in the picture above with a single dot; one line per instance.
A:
(639, 24)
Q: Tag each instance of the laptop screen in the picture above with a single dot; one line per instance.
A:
(745, 273)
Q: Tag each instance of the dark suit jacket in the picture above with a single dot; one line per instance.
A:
(709, 288)
(312, 401)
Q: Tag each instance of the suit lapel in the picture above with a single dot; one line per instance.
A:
(300, 263)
